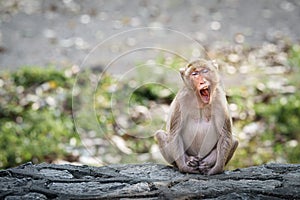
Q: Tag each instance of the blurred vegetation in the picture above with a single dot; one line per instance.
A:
(36, 110)
(35, 116)
(267, 112)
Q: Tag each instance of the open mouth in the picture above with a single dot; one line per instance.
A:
(205, 94)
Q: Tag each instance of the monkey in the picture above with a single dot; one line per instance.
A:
(198, 136)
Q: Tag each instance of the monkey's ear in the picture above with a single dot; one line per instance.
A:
(215, 64)
(182, 70)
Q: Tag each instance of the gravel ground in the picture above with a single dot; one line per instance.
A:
(62, 33)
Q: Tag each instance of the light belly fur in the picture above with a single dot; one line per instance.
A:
(194, 133)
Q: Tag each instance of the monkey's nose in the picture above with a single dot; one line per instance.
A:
(202, 81)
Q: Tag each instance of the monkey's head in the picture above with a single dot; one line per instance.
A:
(202, 77)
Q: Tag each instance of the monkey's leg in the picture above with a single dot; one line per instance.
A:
(162, 138)
(232, 150)
(173, 151)
(223, 155)
(223, 148)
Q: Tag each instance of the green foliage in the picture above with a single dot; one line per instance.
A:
(272, 133)
(283, 112)
(266, 116)
(152, 92)
(34, 116)
(30, 76)
(294, 56)
(281, 115)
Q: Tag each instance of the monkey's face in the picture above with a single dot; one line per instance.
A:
(202, 78)
(201, 84)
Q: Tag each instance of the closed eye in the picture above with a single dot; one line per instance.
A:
(204, 71)
(194, 73)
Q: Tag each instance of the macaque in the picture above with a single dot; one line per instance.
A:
(198, 136)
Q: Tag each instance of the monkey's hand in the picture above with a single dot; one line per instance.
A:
(193, 161)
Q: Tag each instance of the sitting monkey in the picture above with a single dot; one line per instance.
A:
(198, 138)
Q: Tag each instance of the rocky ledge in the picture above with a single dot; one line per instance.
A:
(147, 181)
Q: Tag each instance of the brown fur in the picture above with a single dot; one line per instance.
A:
(198, 136)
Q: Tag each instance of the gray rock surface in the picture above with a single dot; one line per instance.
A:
(147, 181)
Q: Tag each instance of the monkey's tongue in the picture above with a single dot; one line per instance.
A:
(205, 95)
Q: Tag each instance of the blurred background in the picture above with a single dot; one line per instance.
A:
(89, 82)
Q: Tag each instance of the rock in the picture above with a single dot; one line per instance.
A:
(147, 181)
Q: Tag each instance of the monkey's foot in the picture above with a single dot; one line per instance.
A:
(204, 167)
(193, 161)
(188, 169)
(215, 170)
